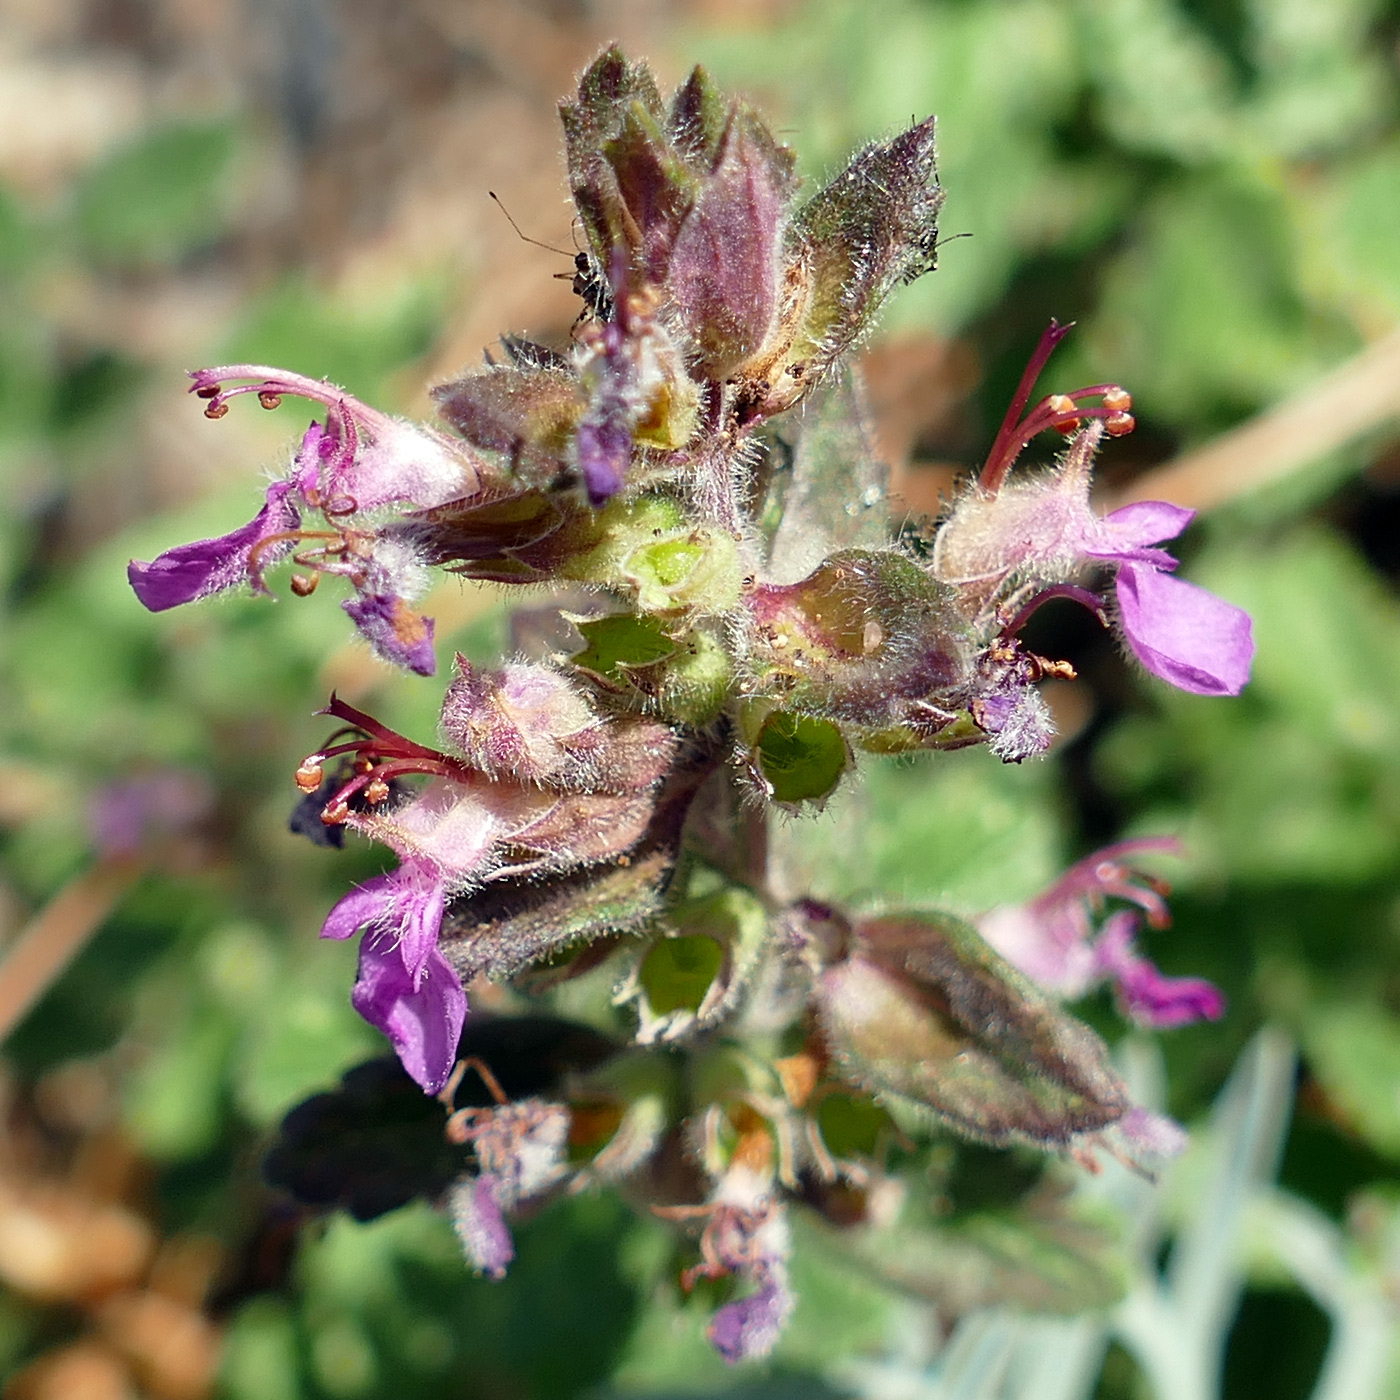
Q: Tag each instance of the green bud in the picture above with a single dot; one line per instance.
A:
(874, 226)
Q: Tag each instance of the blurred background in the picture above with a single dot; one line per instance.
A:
(1209, 188)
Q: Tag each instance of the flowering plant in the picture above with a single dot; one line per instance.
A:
(696, 473)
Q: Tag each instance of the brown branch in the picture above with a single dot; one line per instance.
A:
(57, 933)
(1359, 395)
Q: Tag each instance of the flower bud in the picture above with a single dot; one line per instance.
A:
(924, 1011)
(528, 415)
(866, 638)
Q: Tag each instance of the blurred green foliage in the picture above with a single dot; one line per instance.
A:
(1211, 188)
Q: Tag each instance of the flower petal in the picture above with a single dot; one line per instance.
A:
(193, 571)
(1140, 524)
(397, 634)
(1149, 997)
(1183, 634)
(481, 1224)
(365, 905)
(423, 1019)
(749, 1327)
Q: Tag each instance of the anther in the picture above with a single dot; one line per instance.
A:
(304, 585)
(335, 813)
(268, 399)
(216, 409)
(1059, 405)
(1117, 399)
(207, 391)
(376, 791)
(309, 776)
(1119, 424)
(363, 765)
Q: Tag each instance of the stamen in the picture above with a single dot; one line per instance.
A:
(1072, 591)
(1059, 411)
(255, 555)
(380, 755)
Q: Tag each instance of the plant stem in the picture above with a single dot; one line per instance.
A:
(1359, 395)
(57, 933)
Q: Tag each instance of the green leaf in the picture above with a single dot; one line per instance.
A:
(1354, 1050)
(159, 198)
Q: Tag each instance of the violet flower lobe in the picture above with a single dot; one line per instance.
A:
(350, 470)
(1052, 939)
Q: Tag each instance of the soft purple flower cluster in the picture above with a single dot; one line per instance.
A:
(750, 626)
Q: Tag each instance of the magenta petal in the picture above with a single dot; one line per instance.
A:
(749, 1327)
(193, 571)
(1148, 997)
(365, 905)
(1144, 523)
(1184, 634)
(423, 1021)
(418, 912)
(481, 1225)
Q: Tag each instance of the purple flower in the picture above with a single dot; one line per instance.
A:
(347, 470)
(1014, 541)
(1183, 634)
(132, 813)
(519, 1148)
(405, 986)
(194, 571)
(480, 1223)
(1147, 996)
(1180, 632)
(746, 1234)
(751, 1326)
(1052, 939)
(394, 630)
